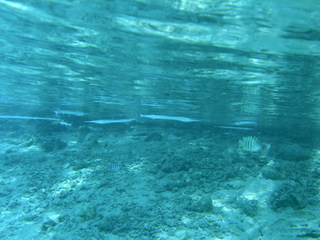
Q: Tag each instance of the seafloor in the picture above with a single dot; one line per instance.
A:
(154, 181)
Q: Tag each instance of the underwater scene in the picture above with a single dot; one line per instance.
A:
(159, 119)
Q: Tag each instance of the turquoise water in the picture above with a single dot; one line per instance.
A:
(214, 61)
(169, 78)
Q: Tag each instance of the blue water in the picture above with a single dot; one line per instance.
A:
(230, 66)
(214, 61)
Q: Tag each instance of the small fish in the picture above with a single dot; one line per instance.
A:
(249, 144)
(245, 123)
(163, 117)
(67, 112)
(236, 128)
(63, 123)
(107, 121)
(114, 167)
(29, 118)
